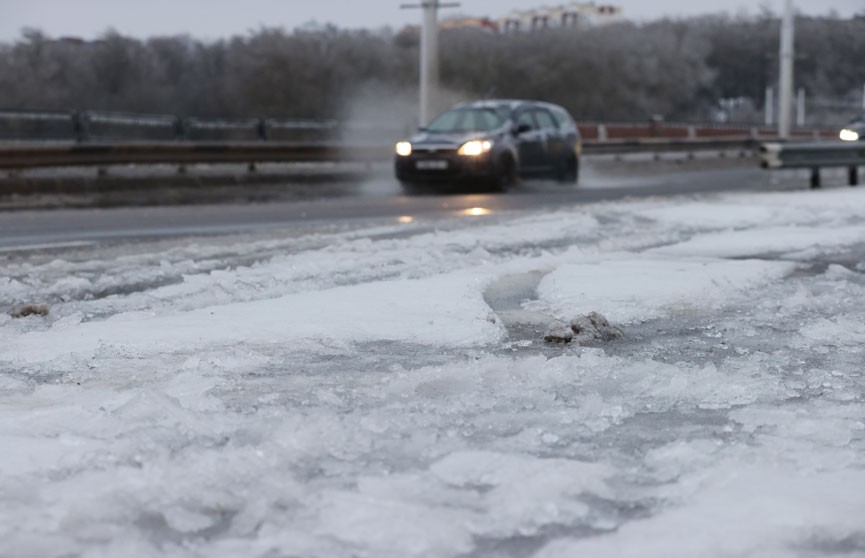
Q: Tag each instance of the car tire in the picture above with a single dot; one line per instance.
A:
(570, 173)
(506, 173)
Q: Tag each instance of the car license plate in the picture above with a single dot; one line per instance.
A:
(435, 164)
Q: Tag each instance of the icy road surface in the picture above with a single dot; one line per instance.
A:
(385, 391)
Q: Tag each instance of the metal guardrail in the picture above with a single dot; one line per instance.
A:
(665, 145)
(101, 126)
(815, 156)
(181, 153)
(85, 126)
(24, 156)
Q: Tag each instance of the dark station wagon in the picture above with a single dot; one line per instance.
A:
(492, 142)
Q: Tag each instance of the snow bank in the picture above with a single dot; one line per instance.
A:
(831, 208)
(765, 240)
(628, 289)
(350, 393)
(447, 310)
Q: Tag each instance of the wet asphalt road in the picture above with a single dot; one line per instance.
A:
(380, 199)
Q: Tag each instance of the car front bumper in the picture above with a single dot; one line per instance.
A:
(442, 168)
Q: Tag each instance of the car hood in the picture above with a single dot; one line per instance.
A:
(449, 140)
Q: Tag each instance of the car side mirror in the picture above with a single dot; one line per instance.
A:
(521, 129)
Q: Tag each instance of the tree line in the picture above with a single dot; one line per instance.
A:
(695, 69)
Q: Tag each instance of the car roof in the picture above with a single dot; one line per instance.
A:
(506, 103)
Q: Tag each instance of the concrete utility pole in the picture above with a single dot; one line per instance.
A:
(769, 106)
(429, 65)
(785, 80)
(800, 107)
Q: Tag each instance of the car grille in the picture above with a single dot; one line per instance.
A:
(434, 151)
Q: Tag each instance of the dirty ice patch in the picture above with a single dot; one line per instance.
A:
(753, 242)
(443, 310)
(743, 510)
(634, 289)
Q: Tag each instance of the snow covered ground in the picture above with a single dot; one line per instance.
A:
(385, 391)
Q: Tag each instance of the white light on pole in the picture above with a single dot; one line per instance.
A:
(429, 66)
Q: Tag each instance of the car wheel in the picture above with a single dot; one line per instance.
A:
(506, 173)
(570, 173)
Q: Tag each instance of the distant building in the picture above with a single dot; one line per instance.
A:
(483, 23)
(573, 15)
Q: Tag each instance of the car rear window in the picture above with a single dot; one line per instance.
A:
(467, 120)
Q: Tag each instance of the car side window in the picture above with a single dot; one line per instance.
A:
(545, 120)
(562, 118)
(526, 118)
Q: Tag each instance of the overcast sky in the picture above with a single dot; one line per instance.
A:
(213, 19)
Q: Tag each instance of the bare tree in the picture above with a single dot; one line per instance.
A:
(679, 68)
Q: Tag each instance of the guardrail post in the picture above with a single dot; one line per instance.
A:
(815, 177)
(79, 125)
(853, 176)
(261, 129)
(181, 130)
(655, 122)
(602, 132)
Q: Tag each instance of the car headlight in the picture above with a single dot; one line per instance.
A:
(403, 148)
(474, 148)
(848, 135)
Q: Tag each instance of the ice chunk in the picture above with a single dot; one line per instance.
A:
(630, 289)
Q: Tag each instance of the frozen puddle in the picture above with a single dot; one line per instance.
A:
(507, 297)
(511, 298)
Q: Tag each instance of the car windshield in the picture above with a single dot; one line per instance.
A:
(468, 120)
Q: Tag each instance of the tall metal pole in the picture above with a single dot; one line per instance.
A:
(429, 65)
(785, 80)
(800, 107)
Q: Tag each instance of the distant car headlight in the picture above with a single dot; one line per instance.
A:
(403, 148)
(848, 135)
(474, 148)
